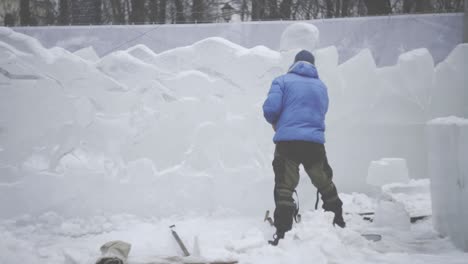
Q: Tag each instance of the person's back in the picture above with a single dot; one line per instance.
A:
(300, 115)
(296, 107)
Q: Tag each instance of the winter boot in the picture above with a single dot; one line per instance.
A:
(332, 203)
(276, 238)
(338, 219)
(283, 220)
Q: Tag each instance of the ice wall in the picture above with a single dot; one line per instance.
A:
(160, 133)
(448, 170)
(135, 131)
(450, 91)
(300, 36)
(385, 36)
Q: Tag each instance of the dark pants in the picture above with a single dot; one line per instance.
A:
(288, 156)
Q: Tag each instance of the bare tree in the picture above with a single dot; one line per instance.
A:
(162, 11)
(408, 6)
(303, 9)
(198, 11)
(244, 10)
(127, 10)
(344, 8)
(137, 15)
(98, 12)
(378, 7)
(118, 16)
(423, 6)
(273, 9)
(418, 6)
(25, 13)
(285, 9)
(258, 9)
(179, 11)
(329, 8)
(9, 20)
(9, 13)
(64, 12)
(49, 14)
(153, 11)
(337, 8)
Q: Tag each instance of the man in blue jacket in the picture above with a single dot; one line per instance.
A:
(296, 107)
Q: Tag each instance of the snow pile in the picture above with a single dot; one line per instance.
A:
(414, 195)
(300, 36)
(387, 170)
(392, 215)
(448, 171)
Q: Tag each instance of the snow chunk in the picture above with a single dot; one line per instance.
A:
(260, 51)
(191, 84)
(387, 170)
(326, 61)
(142, 52)
(447, 121)
(326, 58)
(357, 203)
(24, 43)
(217, 44)
(415, 196)
(88, 54)
(300, 36)
(358, 82)
(449, 95)
(416, 74)
(127, 69)
(392, 215)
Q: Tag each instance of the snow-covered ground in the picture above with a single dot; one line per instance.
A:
(120, 147)
(50, 238)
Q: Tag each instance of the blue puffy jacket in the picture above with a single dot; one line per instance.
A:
(296, 105)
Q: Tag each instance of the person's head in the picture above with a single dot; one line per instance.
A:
(304, 55)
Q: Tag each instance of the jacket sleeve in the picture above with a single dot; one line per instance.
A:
(274, 103)
(327, 99)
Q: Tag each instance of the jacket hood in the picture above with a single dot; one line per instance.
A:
(304, 68)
